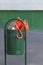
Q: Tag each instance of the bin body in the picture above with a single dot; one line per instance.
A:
(15, 46)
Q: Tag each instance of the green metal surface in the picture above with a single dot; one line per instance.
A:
(14, 46)
(35, 18)
(6, 15)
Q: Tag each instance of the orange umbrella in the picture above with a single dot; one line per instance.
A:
(26, 25)
(21, 26)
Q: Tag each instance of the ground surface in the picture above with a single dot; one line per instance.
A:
(34, 50)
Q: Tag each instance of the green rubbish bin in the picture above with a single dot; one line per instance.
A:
(14, 46)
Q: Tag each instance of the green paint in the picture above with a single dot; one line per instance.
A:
(35, 18)
(15, 46)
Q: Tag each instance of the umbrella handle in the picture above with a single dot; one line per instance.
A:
(20, 32)
(20, 36)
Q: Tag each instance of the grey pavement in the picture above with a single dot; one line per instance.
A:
(34, 50)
